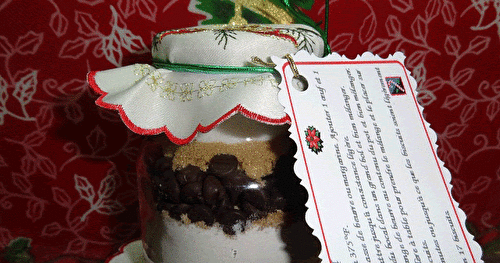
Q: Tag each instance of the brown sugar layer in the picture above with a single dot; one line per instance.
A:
(257, 159)
(274, 219)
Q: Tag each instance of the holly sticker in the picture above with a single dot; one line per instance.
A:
(313, 139)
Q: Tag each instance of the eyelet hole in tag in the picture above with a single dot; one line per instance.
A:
(299, 82)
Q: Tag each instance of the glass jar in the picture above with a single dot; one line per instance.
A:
(214, 201)
(216, 180)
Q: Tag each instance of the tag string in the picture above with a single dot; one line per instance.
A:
(293, 67)
(257, 60)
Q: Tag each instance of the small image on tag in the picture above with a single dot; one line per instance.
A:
(377, 190)
(395, 85)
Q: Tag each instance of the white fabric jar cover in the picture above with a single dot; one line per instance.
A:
(181, 103)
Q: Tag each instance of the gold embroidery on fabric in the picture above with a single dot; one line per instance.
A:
(228, 84)
(154, 80)
(169, 90)
(206, 88)
(188, 91)
(142, 69)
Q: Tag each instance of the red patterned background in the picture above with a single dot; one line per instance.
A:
(67, 167)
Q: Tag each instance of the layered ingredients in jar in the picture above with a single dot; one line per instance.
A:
(242, 190)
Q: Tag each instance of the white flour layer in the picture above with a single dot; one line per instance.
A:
(183, 243)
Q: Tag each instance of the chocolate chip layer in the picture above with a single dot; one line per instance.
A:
(224, 193)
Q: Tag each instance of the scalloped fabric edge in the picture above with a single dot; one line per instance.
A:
(177, 140)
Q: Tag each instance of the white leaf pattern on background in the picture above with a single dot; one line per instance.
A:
(402, 6)
(84, 188)
(452, 45)
(91, 2)
(480, 185)
(26, 87)
(22, 182)
(454, 159)
(74, 48)
(61, 197)
(147, 9)
(35, 138)
(76, 246)
(29, 43)
(434, 83)
(126, 7)
(77, 225)
(35, 210)
(468, 112)
(47, 167)
(419, 28)
(33, 161)
(393, 26)
(449, 13)
(452, 101)
(96, 139)
(454, 130)
(463, 76)
(380, 46)
(108, 45)
(5, 47)
(492, 109)
(416, 58)
(73, 112)
(479, 44)
(420, 74)
(45, 117)
(107, 187)
(341, 42)
(169, 5)
(432, 9)
(367, 30)
(86, 24)
(58, 23)
(486, 19)
(110, 207)
(52, 229)
(28, 164)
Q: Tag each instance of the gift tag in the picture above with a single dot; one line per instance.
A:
(377, 190)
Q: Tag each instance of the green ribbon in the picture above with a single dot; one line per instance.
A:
(210, 69)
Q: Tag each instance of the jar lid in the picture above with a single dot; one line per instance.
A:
(234, 45)
(182, 103)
